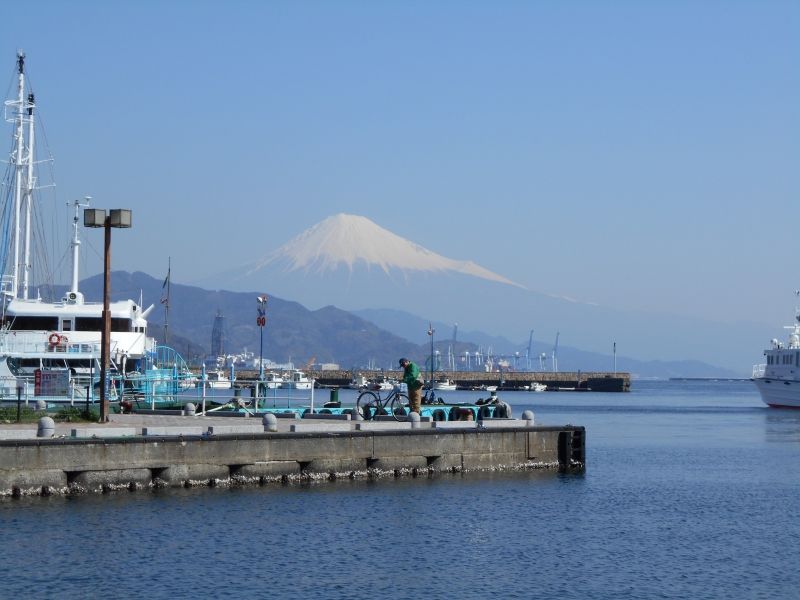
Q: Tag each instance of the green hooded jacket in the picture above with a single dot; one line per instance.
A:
(411, 376)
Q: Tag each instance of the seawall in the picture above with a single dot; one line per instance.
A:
(101, 464)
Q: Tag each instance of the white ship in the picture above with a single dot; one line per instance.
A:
(50, 349)
(778, 380)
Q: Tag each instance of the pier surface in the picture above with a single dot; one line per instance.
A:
(145, 451)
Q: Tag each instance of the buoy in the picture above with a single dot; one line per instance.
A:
(54, 339)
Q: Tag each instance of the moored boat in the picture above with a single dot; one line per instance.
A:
(778, 380)
(444, 385)
(297, 380)
(50, 349)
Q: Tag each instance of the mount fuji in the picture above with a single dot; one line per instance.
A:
(349, 242)
(353, 263)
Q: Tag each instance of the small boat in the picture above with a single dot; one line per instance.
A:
(297, 380)
(444, 385)
(359, 382)
(272, 380)
(535, 386)
(382, 384)
(487, 388)
(778, 380)
(217, 380)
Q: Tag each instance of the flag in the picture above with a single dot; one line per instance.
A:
(165, 288)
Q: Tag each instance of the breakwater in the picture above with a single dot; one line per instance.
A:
(507, 381)
(102, 461)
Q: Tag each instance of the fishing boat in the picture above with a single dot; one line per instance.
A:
(216, 379)
(358, 382)
(272, 380)
(50, 346)
(778, 380)
(535, 386)
(444, 385)
(382, 384)
(297, 380)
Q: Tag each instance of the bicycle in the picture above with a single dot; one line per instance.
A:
(370, 404)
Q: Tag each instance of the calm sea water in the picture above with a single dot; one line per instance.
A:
(692, 490)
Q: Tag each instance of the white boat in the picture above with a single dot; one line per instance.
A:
(778, 380)
(444, 385)
(216, 379)
(359, 382)
(535, 386)
(50, 349)
(272, 380)
(382, 384)
(297, 380)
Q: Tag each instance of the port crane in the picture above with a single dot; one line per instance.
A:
(528, 351)
(555, 353)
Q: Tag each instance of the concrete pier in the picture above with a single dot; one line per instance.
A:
(101, 464)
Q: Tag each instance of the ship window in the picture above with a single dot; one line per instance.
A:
(66, 325)
(34, 323)
(96, 324)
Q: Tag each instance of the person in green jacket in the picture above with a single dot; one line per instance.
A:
(414, 383)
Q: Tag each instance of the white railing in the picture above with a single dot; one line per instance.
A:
(759, 370)
(24, 344)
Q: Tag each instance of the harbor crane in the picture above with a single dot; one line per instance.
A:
(555, 354)
(528, 351)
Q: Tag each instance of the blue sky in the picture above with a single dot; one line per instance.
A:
(640, 155)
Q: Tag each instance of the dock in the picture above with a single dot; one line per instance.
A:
(139, 452)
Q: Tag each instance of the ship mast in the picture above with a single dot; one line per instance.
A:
(28, 202)
(17, 157)
(76, 243)
(22, 158)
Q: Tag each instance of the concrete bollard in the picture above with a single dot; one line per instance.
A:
(47, 428)
(270, 422)
(528, 416)
(415, 420)
(189, 409)
(41, 405)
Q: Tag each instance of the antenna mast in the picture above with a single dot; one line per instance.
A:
(76, 242)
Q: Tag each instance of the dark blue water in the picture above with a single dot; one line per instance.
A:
(692, 490)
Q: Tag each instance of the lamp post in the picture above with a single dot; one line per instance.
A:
(261, 320)
(431, 331)
(120, 218)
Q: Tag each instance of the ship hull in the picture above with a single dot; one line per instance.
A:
(778, 393)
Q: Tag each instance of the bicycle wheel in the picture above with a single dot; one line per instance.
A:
(398, 406)
(367, 404)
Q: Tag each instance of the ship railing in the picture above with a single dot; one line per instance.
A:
(759, 370)
(24, 344)
(73, 390)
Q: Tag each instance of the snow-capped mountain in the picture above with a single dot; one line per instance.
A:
(350, 262)
(350, 241)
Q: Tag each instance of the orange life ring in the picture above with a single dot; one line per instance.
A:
(54, 339)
